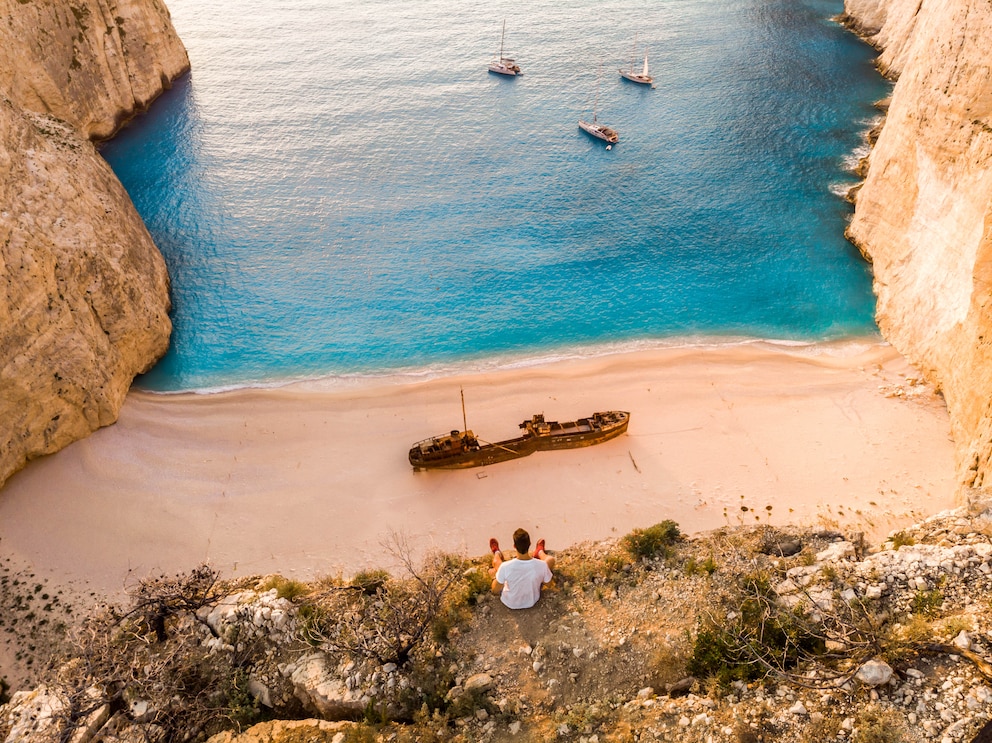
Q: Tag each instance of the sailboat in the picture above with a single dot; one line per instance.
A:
(504, 65)
(641, 77)
(594, 128)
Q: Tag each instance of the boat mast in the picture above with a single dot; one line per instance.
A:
(595, 103)
(464, 418)
(502, 36)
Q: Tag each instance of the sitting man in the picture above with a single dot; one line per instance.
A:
(518, 581)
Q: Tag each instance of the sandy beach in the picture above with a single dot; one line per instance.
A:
(307, 482)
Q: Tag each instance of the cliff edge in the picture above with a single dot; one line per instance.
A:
(923, 216)
(84, 292)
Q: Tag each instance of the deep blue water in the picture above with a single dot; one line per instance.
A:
(341, 188)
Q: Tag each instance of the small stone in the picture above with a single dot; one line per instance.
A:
(514, 727)
(962, 641)
(798, 709)
(646, 692)
(682, 687)
(874, 673)
(836, 552)
(480, 682)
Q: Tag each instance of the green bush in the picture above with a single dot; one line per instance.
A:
(928, 603)
(694, 567)
(654, 541)
(902, 539)
(285, 588)
(760, 637)
(243, 709)
(370, 581)
(874, 725)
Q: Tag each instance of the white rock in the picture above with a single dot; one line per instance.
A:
(962, 641)
(260, 692)
(798, 709)
(141, 710)
(874, 673)
(836, 551)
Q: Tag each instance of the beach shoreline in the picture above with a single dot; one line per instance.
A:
(309, 482)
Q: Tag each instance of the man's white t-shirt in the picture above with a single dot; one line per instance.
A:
(522, 581)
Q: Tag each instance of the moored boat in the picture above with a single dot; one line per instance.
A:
(642, 77)
(601, 131)
(504, 65)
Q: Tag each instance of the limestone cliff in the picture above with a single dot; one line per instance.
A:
(92, 63)
(924, 214)
(84, 293)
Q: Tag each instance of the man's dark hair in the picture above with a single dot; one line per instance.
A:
(521, 541)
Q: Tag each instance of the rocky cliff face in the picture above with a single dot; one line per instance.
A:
(92, 63)
(924, 214)
(84, 294)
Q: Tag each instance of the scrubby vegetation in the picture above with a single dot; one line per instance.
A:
(653, 636)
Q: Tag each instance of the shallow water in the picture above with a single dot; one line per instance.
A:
(342, 189)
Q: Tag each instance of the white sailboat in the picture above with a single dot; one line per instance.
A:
(641, 77)
(504, 65)
(601, 131)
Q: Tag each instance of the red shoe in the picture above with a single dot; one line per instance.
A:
(493, 544)
(539, 547)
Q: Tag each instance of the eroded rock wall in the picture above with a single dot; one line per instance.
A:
(924, 214)
(92, 63)
(84, 293)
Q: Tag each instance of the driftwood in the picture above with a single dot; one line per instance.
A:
(983, 666)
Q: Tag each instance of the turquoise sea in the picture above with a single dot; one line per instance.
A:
(341, 189)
